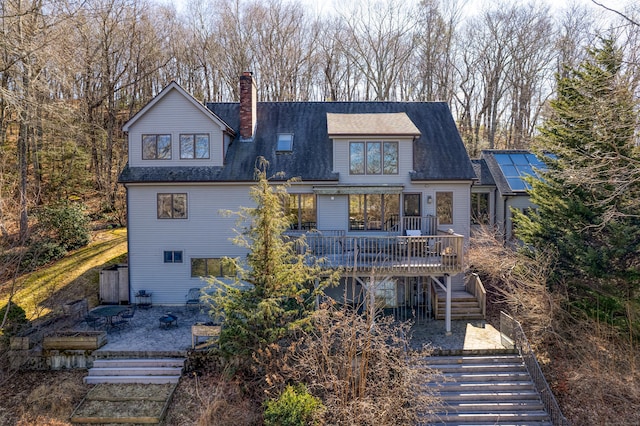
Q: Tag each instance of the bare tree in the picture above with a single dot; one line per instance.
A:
(120, 47)
(381, 39)
(27, 30)
(530, 75)
(284, 46)
(340, 77)
(431, 75)
(236, 36)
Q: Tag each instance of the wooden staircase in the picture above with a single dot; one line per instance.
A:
(464, 305)
(485, 390)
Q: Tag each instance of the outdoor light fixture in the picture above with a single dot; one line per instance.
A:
(429, 199)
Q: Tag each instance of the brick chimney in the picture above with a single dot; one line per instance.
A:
(248, 101)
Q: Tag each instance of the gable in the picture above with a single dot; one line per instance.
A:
(183, 133)
(173, 99)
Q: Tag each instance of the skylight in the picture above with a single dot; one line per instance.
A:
(285, 142)
(515, 166)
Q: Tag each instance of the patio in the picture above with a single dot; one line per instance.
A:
(145, 334)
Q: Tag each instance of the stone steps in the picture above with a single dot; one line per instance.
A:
(484, 390)
(149, 370)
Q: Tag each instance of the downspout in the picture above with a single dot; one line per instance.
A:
(504, 219)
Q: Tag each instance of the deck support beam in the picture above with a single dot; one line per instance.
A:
(447, 317)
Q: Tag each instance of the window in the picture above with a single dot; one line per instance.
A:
(373, 158)
(411, 205)
(172, 206)
(285, 142)
(385, 294)
(444, 207)
(373, 212)
(479, 208)
(217, 267)
(156, 147)
(172, 256)
(194, 146)
(302, 211)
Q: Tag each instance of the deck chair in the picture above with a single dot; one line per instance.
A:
(193, 298)
(94, 322)
(127, 316)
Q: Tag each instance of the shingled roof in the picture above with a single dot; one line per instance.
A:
(439, 153)
(483, 174)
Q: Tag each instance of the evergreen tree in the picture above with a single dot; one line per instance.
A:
(588, 198)
(283, 282)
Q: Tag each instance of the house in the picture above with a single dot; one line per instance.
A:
(383, 190)
(500, 188)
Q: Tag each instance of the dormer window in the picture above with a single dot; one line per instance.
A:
(373, 158)
(285, 142)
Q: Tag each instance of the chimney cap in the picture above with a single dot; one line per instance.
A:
(247, 73)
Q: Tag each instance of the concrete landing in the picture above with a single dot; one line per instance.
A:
(467, 337)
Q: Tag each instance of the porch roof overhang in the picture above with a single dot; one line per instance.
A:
(357, 189)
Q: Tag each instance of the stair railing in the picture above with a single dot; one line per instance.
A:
(512, 335)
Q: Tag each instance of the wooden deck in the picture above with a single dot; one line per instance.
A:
(397, 255)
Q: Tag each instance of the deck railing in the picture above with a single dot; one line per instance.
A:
(397, 254)
(513, 335)
(427, 225)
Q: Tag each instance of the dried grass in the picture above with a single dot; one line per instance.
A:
(159, 392)
(593, 370)
(55, 399)
(41, 421)
(212, 399)
(359, 369)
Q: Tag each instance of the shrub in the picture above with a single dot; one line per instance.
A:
(67, 222)
(16, 319)
(41, 253)
(294, 407)
(359, 369)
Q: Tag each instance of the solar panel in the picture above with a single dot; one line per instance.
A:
(515, 166)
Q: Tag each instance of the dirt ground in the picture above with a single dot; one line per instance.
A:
(48, 398)
(43, 398)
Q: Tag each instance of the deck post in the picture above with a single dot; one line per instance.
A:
(447, 320)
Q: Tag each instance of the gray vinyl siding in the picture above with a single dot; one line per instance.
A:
(205, 233)
(333, 214)
(175, 115)
(341, 162)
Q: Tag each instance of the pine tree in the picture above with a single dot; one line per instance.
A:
(588, 198)
(282, 281)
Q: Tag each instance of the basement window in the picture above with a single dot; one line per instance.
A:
(285, 142)
(172, 256)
